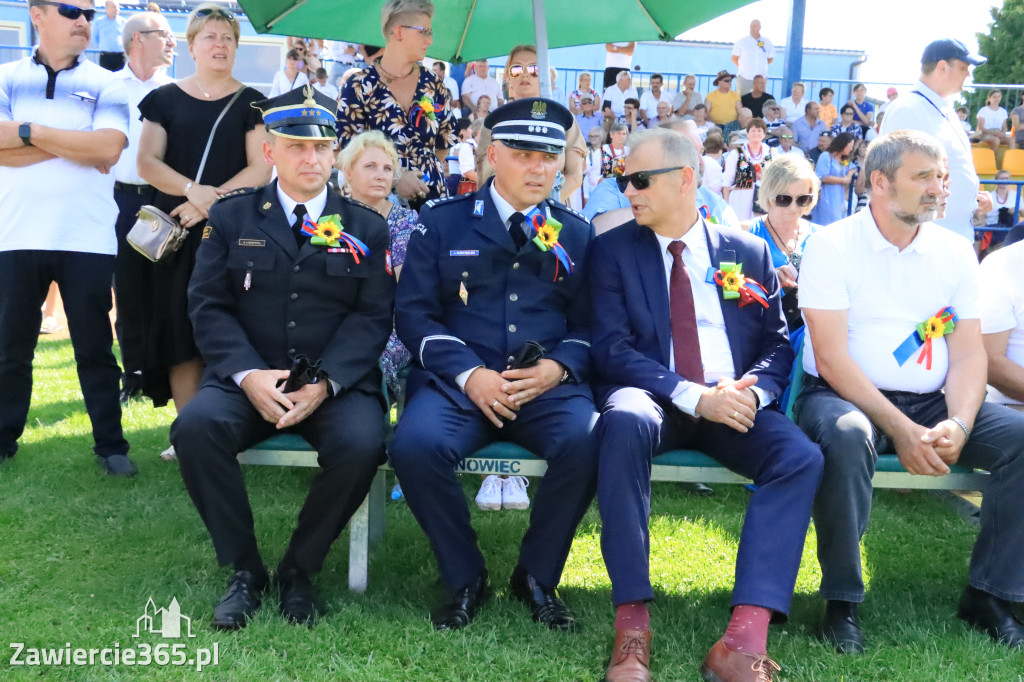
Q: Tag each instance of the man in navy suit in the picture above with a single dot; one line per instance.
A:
(691, 350)
(475, 289)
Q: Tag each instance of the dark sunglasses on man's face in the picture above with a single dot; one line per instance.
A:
(216, 11)
(641, 180)
(70, 11)
(784, 200)
(516, 70)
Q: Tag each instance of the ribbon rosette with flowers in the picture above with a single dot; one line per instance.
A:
(935, 327)
(735, 284)
(329, 231)
(547, 230)
(424, 107)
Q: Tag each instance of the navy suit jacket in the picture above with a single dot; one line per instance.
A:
(468, 297)
(631, 330)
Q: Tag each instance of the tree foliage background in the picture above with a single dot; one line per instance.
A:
(1003, 45)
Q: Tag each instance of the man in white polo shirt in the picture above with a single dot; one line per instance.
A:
(895, 361)
(63, 124)
(752, 54)
(1002, 323)
(149, 44)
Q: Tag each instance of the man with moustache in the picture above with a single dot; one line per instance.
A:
(149, 44)
(895, 361)
(266, 297)
(63, 125)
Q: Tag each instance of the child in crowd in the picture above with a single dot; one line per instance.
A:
(828, 112)
(714, 175)
(700, 117)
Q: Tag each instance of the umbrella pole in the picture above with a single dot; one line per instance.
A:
(540, 26)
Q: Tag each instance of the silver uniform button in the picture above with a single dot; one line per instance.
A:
(293, 296)
(513, 297)
(296, 268)
(512, 328)
(291, 325)
(515, 266)
(465, 275)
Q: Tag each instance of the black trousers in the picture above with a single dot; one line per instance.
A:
(347, 432)
(112, 61)
(84, 283)
(131, 280)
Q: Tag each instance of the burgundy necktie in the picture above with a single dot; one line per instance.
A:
(685, 342)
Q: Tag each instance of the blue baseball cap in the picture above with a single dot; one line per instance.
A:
(948, 48)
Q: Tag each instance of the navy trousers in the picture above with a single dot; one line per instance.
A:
(775, 454)
(347, 432)
(434, 435)
(851, 444)
(84, 283)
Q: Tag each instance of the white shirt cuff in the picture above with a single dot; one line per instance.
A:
(462, 377)
(763, 398)
(239, 377)
(688, 398)
(335, 387)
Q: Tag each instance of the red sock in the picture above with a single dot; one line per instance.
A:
(748, 629)
(633, 616)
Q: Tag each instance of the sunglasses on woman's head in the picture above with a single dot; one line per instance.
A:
(641, 180)
(784, 200)
(70, 11)
(224, 14)
(516, 70)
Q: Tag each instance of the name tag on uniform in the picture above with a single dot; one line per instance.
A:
(252, 242)
(466, 252)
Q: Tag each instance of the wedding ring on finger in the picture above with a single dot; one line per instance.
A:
(495, 404)
(734, 414)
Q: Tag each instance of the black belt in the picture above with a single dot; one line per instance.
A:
(117, 53)
(813, 381)
(132, 189)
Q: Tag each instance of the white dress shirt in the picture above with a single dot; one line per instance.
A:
(314, 209)
(715, 353)
(1002, 305)
(930, 113)
(126, 169)
(886, 292)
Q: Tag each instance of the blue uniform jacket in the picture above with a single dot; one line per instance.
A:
(468, 298)
(296, 300)
(631, 325)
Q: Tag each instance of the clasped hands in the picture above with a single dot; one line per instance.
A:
(929, 452)
(281, 409)
(731, 402)
(500, 395)
(196, 208)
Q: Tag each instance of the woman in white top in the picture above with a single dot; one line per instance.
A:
(992, 122)
(292, 76)
(1004, 199)
(743, 168)
(595, 139)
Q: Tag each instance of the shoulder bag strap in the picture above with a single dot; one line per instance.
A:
(213, 131)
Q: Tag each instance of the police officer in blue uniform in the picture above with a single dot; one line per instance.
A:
(264, 295)
(485, 274)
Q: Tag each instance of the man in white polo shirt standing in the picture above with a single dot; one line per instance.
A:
(63, 124)
(149, 44)
(895, 361)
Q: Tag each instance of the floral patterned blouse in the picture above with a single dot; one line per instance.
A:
(367, 104)
(401, 222)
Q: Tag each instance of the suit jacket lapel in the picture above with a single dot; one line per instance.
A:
(650, 263)
(274, 222)
(720, 248)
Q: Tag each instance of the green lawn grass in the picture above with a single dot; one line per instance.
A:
(80, 554)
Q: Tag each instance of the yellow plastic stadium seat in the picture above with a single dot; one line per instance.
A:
(1013, 161)
(984, 161)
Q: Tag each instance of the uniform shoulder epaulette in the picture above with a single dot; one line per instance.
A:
(567, 209)
(448, 200)
(242, 191)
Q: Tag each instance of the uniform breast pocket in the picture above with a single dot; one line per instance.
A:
(250, 259)
(468, 269)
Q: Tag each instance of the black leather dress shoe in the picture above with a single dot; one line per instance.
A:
(842, 628)
(239, 603)
(117, 465)
(544, 603)
(461, 605)
(299, 603)
(991, 615)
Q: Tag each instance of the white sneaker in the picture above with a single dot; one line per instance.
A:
(169, 455)
(489, 496)
(513, 493)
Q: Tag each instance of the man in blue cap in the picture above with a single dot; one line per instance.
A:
(929, 108)
(493, 305)
(291, 300)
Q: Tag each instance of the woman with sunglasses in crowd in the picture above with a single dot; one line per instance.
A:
(523, 79)
(405, 101)
(177, 120)
(834, 170)
(789, 191)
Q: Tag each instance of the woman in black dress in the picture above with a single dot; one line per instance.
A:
(177, 121)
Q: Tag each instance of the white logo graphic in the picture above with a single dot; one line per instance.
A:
(169, 621)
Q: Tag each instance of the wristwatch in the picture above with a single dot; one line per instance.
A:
(25, 133)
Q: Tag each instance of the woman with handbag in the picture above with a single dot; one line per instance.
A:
(199, 140)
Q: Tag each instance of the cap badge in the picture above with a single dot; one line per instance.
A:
(540, 110)
(307, 91)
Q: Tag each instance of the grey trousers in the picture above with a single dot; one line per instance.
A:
(851, 443)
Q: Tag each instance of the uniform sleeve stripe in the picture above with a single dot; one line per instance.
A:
(438, 337)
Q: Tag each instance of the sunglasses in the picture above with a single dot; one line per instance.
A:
(516, 70)
(641, 180)
(70, 11)
(223, 14)
(785, 137)
(424, 31)
(164, 35)
(784, 200)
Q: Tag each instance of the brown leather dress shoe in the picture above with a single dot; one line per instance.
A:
(631, 657)
(725, 665)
